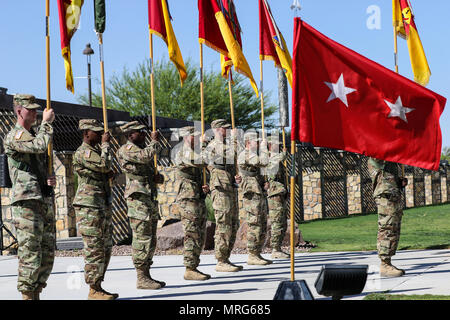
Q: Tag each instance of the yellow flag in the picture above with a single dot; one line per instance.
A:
(407, 28)
(234, 50)
(160, 24)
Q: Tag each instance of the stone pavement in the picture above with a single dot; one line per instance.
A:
(427, 272)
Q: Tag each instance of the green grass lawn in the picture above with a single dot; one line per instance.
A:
(422, 228)
(383, 296)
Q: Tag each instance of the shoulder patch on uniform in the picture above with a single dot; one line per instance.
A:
(18, 134)
(129, 146)
(87, 153)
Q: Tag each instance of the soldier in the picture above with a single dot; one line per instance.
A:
(191, 200)
(388, 195)
(221, 157)
(254, 202)
(137, 162)
(31, 195)
(276, 197)
(92, 203)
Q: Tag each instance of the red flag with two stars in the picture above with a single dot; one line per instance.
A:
(342, 100)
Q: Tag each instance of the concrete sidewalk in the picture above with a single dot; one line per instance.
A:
(427, 272)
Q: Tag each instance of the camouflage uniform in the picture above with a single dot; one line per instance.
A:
(276, 199)
(31, 200)
(137, 164)
(92, 204)
(254, 199)
(221, 157)
(191, 199)
(388, 197)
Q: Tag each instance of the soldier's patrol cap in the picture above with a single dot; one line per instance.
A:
(132, 126)
(90, 124)
(252, 135)
(220, 123)
(27, 101)
(189, 131)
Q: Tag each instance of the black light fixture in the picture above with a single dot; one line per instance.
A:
(88, 51)
(293, 290)
(337, 281)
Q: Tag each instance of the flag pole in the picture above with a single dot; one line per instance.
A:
(292, 199)
(230, 91)
(152, 91)
(261, 89)
(102, 71)
(202, 103)
(396, 70)
(47, 49)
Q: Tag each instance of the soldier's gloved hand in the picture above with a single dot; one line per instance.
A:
(154, 135)
(238, 179)
(158, 179)
(404, 182)
(51, 181)
(111, 174)
(48, 115)
(205, 189)
(106, 137)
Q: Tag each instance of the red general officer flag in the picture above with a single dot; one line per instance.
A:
(344, 101)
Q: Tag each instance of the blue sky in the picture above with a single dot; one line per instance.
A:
(126, 44)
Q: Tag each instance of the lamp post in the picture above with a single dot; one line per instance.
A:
(88, 51)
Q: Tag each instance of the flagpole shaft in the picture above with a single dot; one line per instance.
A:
(102, 72)
(230, 92)
(47, 49)
(262, 96)
(396, 49)
(283, 132)
(152, 92)
(292, 199)
(396, 70)
(202, 104)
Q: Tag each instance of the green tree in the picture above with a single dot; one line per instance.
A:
(445, 153)
(130, 91)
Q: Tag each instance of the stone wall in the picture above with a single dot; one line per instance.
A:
(7, 218)
(64, 195)
(167, 193)
(354, 193)
(409, 191)
(312, 195)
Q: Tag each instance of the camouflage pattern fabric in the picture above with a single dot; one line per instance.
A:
(388, 198)
(32, 210)
(193, 218)
(191, 202)
(92, 165)
(26, 151)
(224, 196)
(36, 235)
(278, 220)
(140, 192)
(254, 199)
(95, 226)
(276, 199)
(143, 230)
(137, 164)
(93, 208)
